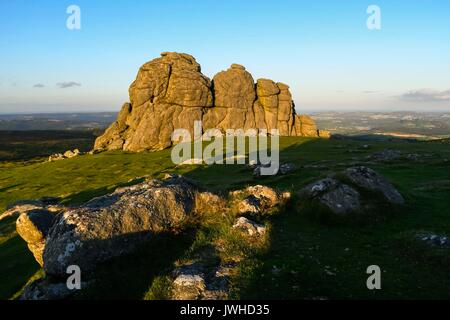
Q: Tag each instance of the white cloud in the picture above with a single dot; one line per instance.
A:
(426, 95)
(69, 84)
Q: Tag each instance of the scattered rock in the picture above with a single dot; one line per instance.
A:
(342, 198)
(250, 227)
(200, 281)
(257, 199)
(47, 290)
(66, 155)
(413, 157)
(189, 282)
(286, 168)
(368, 179)
(56, 157)
(434, 239)
(386, 155)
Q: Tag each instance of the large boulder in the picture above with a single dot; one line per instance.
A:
(170, 93)
(113, 224)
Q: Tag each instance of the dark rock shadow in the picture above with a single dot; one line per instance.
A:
(131, 275)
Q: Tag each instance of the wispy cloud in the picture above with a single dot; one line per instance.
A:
(69, 84)
(39, 85)
(369, 92)
(425, 95)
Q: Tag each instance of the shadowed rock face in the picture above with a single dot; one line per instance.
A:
(170, 93)
(343, 197)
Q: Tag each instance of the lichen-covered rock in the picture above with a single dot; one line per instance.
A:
(200, 281)
(343, 194)
(250, 227)
(170, 93)
(257, 199)
(339, 198)
(33, 227)
(368, 179)
(115, 224)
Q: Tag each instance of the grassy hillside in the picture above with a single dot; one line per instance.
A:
(300, 259)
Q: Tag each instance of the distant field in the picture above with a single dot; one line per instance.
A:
(301, 250)
(26, 145)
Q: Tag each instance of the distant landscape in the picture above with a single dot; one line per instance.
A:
(413, 125)
(420, 125)
(26, 136)
(56, 121)
(33, 137)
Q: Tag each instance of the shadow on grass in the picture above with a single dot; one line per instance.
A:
(15, 272)
(130, 276)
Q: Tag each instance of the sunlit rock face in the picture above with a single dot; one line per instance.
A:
(171, 93)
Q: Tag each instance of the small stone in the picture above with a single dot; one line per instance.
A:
(251, 228)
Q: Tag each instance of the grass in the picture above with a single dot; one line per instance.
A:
(300, 259)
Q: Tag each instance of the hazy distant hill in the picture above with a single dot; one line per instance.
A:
(412, 125)
(57, 121)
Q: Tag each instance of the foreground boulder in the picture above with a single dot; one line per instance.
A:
(114, 224)
(170, 93)
(107, 226)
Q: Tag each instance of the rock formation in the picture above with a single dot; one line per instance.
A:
(170, 93)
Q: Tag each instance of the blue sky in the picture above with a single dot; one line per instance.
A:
(322, 49)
